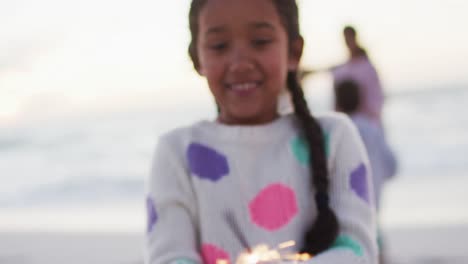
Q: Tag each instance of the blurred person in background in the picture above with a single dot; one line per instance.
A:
(359, 69)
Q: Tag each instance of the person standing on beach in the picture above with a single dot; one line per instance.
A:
(253, 176)
(382, 159)
(360, 69)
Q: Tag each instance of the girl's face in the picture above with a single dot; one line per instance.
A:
(244, 53)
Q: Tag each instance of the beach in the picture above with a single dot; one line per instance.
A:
(89, 88)
(428, 245)
(70, 248)
(64, 200)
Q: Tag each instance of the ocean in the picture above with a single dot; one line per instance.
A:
(88, 172)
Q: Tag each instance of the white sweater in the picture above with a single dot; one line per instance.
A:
(259, 175)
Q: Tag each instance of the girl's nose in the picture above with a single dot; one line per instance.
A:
(241, 60)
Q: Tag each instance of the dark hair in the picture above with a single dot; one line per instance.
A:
(323, 232)
(350, 30)
(347, 96)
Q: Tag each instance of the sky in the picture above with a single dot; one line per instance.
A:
(63, 57)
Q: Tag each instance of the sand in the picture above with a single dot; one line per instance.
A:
(428, 245)
(436, 245)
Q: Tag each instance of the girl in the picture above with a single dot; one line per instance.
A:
(219, 188)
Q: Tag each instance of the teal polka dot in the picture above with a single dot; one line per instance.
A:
(327, 144)
(348, 243)
(184, 261)
(379, 241)
(301, 151)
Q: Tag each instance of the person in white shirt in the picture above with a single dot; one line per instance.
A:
(252, 176)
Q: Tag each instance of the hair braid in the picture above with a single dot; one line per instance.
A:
(324, 231)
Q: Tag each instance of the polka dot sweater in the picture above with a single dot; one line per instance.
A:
(259, 177)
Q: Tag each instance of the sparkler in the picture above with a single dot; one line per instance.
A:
(262, 253)
(231, 220)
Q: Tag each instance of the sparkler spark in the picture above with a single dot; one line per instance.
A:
(261, 253)
(286, 244)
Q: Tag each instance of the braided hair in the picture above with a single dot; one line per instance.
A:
(323, 232)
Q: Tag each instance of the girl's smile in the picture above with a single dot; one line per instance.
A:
(244, 88)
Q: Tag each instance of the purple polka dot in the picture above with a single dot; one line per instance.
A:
(359, 182)
(151, 214)
(206, 163)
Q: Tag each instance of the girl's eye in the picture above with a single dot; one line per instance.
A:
(218, 46)
(261, 42)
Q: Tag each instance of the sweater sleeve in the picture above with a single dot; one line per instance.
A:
(351, 198)
(171, 210)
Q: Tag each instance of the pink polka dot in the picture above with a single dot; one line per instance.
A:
(212, 253)
(273, 207)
